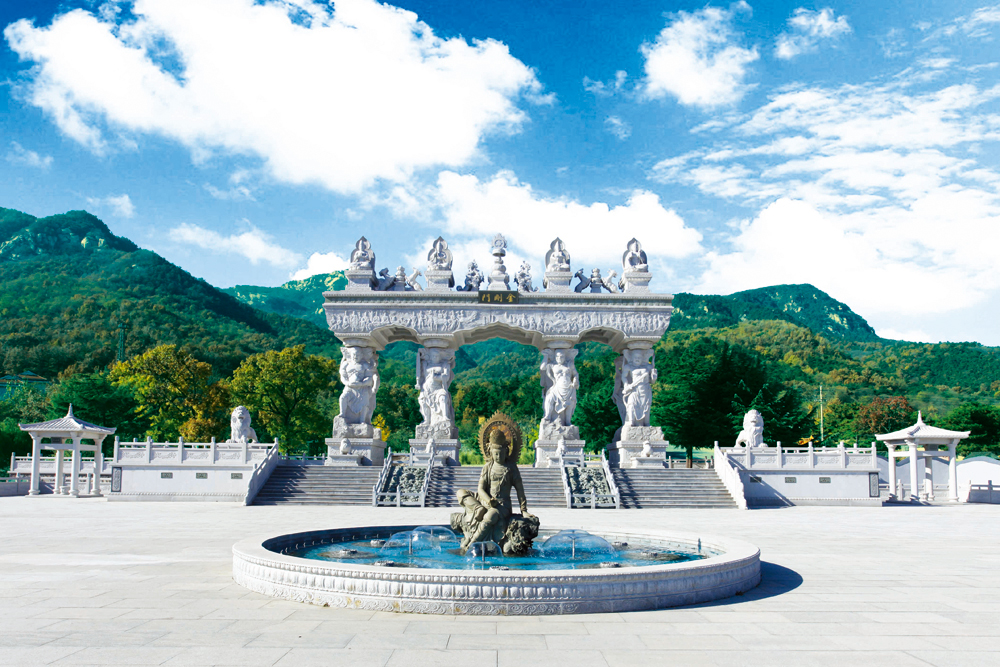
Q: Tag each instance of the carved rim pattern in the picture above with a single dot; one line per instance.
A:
(733, 568)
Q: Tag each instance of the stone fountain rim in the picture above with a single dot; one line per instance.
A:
(731, 552)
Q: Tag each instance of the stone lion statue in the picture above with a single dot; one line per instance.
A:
(752, 434)
(239, 424)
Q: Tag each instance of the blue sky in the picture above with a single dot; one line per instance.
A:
(851, 145)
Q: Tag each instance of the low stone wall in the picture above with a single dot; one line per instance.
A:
(775, 488)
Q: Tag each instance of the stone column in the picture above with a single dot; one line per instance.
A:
(914, 489)
(59, 472)
(36, 464)
(99, 467)
(74, 481)
(952, 472)
(359, 375)
(435, 370)
(560, 383)
(892, 470)
(635, 373)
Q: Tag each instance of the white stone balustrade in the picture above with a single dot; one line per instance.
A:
(803, 458)
(188, 453)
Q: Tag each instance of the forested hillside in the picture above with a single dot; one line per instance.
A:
(66, 282)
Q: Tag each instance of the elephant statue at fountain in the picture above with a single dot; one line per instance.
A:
(486, 513)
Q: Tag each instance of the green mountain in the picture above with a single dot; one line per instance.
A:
(66, 282)
(803, 305)
(296, 298)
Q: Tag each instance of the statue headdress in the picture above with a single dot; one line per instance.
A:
(511, 432)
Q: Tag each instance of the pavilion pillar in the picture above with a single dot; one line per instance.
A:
(74, 481)
(98, 466)
(952, 472)
(58, 485)
(892, 470)
(36, 463)
(914, 489)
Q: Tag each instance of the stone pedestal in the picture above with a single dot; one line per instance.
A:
(636, 281)
(547, 453)
(627, 449)
(558, 281)
(439, 281)
(365, 451)
(445, 451)
(359, 280)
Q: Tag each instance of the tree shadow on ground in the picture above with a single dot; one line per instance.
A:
(774, 580)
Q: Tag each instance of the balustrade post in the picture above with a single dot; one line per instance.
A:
(843, 455)
(780, 459)
(812, 455)
(149, 449)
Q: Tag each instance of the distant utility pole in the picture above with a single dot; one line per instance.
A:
(821, 414)
(121, 341)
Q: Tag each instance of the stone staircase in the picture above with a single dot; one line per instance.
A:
(669, 488)
(319, 485)
(542, 486)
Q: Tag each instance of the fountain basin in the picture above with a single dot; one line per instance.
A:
(731, 567)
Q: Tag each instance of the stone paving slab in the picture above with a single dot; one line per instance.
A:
(87, 582)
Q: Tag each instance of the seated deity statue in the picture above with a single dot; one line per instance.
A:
(634, 258)
(440, 257)
(486, 514)
(557, 258)
(239, 426)
(363, 257)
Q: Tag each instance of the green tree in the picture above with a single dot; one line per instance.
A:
(22, 405)
(174, 392)
(280, 388)
(95, 399)
(983, 424)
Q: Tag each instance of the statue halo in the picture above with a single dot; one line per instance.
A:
(503, 423)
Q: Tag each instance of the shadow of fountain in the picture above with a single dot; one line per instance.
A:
(774, 580)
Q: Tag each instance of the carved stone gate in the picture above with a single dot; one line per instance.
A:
(376, 310)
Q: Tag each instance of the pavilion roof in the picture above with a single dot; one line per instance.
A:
(921, 431)
(68, 424)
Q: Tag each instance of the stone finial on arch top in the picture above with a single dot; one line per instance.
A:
(439, 274)
(635, 268)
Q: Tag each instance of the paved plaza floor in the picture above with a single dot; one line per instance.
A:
(87, 582)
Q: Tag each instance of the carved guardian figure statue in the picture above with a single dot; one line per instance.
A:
(239, 426)
(752, 434)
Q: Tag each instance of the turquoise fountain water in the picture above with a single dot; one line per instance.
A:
(438, 547)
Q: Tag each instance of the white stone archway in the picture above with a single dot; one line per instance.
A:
(376, 311)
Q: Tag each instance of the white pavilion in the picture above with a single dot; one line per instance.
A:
(66, 434)
(923, 442)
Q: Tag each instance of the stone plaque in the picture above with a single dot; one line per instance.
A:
(873, 490)
(790, 480)
(166, 475)
(824, 480)
(499, 298)
(201, 475)
(116, 480)
(236, 475)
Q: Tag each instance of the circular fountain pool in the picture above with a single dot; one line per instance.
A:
(418, 569)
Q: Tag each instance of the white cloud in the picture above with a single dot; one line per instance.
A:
(234, 193)
(806, 29)
(338, 96)
(253, 244)
(20, 155)
(319, 262)
(120, 205)
(602, 89)
(696, 60)
(595, 234)
(979, 24)
(873, 193)
(618, 127)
